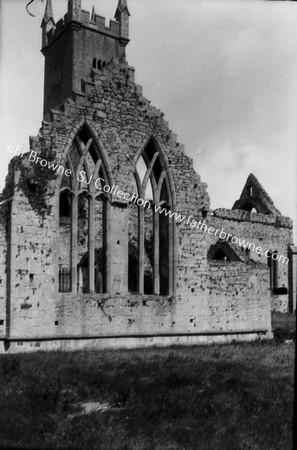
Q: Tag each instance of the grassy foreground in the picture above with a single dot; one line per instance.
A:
(217, 397)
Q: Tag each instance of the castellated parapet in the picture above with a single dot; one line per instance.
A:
(98, 23)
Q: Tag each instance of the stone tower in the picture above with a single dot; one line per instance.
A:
(77, 46)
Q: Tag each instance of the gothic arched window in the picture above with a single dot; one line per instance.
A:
(150, 265)
(82, 218)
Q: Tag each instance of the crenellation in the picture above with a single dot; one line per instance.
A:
(85, 17)
(114, 28)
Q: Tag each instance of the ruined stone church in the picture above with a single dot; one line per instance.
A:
(99, 221)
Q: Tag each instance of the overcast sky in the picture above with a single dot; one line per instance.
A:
(223, 72)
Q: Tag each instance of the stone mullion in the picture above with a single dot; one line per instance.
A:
(140, 250)
(140, 214)
(156, 268)
(106, 245)
(74, 215)
(148, 172)
(160, 182)
(84, 148)
(171, 262)
(91, 245)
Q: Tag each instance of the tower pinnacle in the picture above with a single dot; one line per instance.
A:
(48, 21)
(48, 13)
(122, 16)
(93, 15)
(122, 4)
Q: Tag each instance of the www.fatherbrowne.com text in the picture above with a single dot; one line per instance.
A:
(115, 191)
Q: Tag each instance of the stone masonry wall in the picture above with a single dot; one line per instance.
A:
(228, 295)
(4, 210)
(210, 297)
(270, 232)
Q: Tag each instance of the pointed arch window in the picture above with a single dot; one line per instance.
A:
(83, 210)
(222, 251)
(151, 233)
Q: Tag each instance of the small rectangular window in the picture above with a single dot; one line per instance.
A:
(64, 279)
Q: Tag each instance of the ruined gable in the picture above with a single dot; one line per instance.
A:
(255, 198)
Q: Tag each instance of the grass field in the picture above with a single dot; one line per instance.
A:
(235, 396)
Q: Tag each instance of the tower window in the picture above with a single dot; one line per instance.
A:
(99, 64)
(57, 74)
(94, 63)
